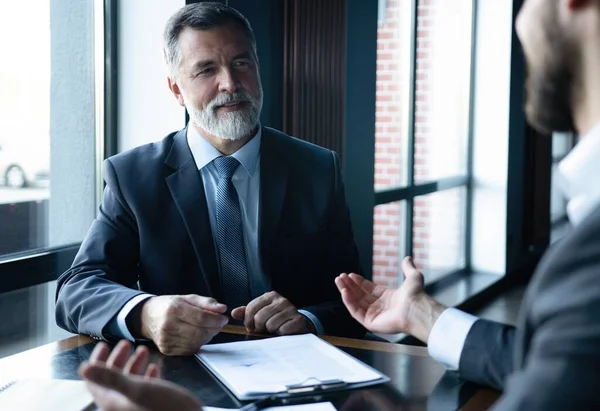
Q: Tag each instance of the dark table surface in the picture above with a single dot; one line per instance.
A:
(417, 381)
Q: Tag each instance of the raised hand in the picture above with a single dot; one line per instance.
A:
(406, 309)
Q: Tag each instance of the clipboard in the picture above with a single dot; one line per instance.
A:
(281, 372)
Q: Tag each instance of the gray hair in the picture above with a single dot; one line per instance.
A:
(199, 16)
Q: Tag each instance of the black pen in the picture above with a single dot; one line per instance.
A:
(280, 401)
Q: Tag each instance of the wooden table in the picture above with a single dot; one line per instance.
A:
(417, 381)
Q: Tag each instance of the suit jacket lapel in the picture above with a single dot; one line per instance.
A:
(274, 170)
(187, 190)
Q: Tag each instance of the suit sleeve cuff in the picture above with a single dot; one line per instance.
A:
(122, 315)
(448, 335)
(314, 320)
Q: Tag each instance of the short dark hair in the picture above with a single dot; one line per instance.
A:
(199, 16)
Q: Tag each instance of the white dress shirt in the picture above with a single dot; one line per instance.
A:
(577, 177)
(246, 181)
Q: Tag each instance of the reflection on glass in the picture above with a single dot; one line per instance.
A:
(389, 233)
(46, 83)
(24, 125)
(439, 232)
(443, 92)
(393, 97)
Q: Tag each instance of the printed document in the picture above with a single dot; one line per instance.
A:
(255, 369)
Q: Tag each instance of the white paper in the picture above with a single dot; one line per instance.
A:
(253, 368)
(320, 406)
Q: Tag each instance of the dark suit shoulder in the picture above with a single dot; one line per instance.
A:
(570, 268)
(141, 158)
(137, 176)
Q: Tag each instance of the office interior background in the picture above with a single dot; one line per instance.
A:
(422, 99)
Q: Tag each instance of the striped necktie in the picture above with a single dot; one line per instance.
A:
(235, 287)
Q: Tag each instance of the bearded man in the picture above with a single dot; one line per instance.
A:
(225, 218)
(550, 361)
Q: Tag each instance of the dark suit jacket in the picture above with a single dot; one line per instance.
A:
(153, 228)
(551, 361)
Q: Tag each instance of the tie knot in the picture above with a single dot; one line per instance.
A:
(226, 166)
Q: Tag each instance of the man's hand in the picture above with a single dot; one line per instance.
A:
(180, 324)
(274, 314)
(119, 382)
(407, 309)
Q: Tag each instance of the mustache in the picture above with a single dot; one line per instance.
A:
(225, 98)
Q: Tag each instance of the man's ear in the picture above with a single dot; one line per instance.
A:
(174, 87)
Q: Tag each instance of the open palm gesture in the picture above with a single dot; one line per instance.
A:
(406, 309)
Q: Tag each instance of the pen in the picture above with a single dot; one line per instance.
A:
(277, 401)
(258, 405)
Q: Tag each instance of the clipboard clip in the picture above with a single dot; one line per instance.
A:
(299, 393)
(318, 385)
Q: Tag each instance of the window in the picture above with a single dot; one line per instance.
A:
(422, 136)
(389, 237)
(51, 103)
(439, 232)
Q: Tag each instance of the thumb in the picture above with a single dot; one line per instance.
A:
(111, 379)
(408, 267)
(239, 313)
(206, 303)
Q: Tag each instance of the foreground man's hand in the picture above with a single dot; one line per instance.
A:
(274, 314)
(406, 309)
(180, 324)
(120, 381)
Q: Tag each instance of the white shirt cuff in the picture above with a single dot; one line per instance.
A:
(448, 335)
(122, 316)
(313, 319)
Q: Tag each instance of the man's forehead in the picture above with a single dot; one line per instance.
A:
(224, 40)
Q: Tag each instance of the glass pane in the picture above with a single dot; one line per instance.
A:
(389, 233)
(393, 86)
(439, 232)
(442, 94)
(47, 125)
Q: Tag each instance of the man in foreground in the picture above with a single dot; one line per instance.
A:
(551, 359)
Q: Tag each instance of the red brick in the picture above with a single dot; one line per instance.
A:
(381, 243)
(384, 77)
(385, 34)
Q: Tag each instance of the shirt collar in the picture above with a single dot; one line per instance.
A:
(577, 177)
(204, 152)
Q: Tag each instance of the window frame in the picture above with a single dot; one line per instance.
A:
(37, 266)
(412, 190)
(465, 288)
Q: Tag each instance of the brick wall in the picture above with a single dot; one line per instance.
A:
(438, 223)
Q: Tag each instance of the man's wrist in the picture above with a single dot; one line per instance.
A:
(315, 324)
(138, 319)
(423, 314)
(309, 325)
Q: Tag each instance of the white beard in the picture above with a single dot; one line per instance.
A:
(232, 125)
